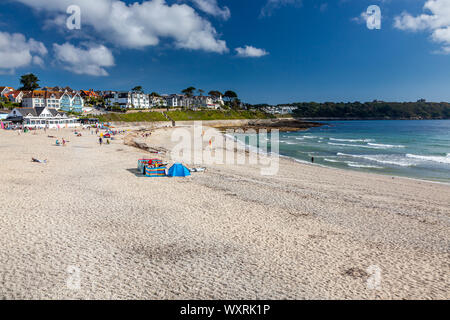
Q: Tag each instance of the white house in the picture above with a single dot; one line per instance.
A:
(41, 98)
(178, 100)
(207, 102)
(5, 90)
(280, 109)
(42, 117)
(157, 102)
(128, 100)
(15, 96)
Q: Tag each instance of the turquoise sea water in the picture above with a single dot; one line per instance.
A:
(416, 149)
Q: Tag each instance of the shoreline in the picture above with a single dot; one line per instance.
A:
(344, 169)
(282, 125)
(145, 147)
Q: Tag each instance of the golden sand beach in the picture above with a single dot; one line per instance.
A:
(308, 232)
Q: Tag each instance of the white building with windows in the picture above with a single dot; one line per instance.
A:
(42, 117)
(279, 109)
(41, 98)
(158, 102)
(177, 101)
(182, 101)
(15, 96)
(128, 100)
(207, 102)
(5, 90)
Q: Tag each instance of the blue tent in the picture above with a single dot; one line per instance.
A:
(178, 170)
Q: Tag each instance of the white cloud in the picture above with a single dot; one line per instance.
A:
(436, 21)
(139, 25)
(211, 7)
(443, 50)
(251, 52)
(90, 60)
(272, 5)
(16, 51)
(38, 61)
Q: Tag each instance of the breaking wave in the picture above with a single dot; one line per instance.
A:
(351, 140)
(438, 159)
(385, 145)
(354, 145)
(359, 165)
(384, 159)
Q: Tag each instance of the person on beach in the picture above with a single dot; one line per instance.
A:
(100, 140)
(312, 159)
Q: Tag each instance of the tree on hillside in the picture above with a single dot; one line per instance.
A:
(189, 91)
(154, 94)
(230, 95)
(215, 94)
(138, 89)
(201, 92)
(29, 82)
(373, 110)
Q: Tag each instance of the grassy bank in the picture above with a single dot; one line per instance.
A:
(132, 117)
(216, 115)
(187, 115)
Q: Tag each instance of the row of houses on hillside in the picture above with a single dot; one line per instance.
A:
(280, 109)
(137, 100)
(11, 94)
(57, 98)
(66, 101)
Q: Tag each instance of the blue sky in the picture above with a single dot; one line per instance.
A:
(310, 50)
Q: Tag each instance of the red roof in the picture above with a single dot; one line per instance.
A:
(88, 93)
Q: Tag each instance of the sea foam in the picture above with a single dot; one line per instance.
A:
(384, 159)
(351, 140)
(385, 145)
(438, 159)
(355, 145)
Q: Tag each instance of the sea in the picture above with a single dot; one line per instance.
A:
(417, 149)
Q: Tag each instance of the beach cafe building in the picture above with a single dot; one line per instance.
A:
(42, 117)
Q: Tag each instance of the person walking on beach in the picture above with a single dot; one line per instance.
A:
(100, 140)
(312, 159)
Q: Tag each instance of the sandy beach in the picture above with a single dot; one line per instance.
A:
(308, 232)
